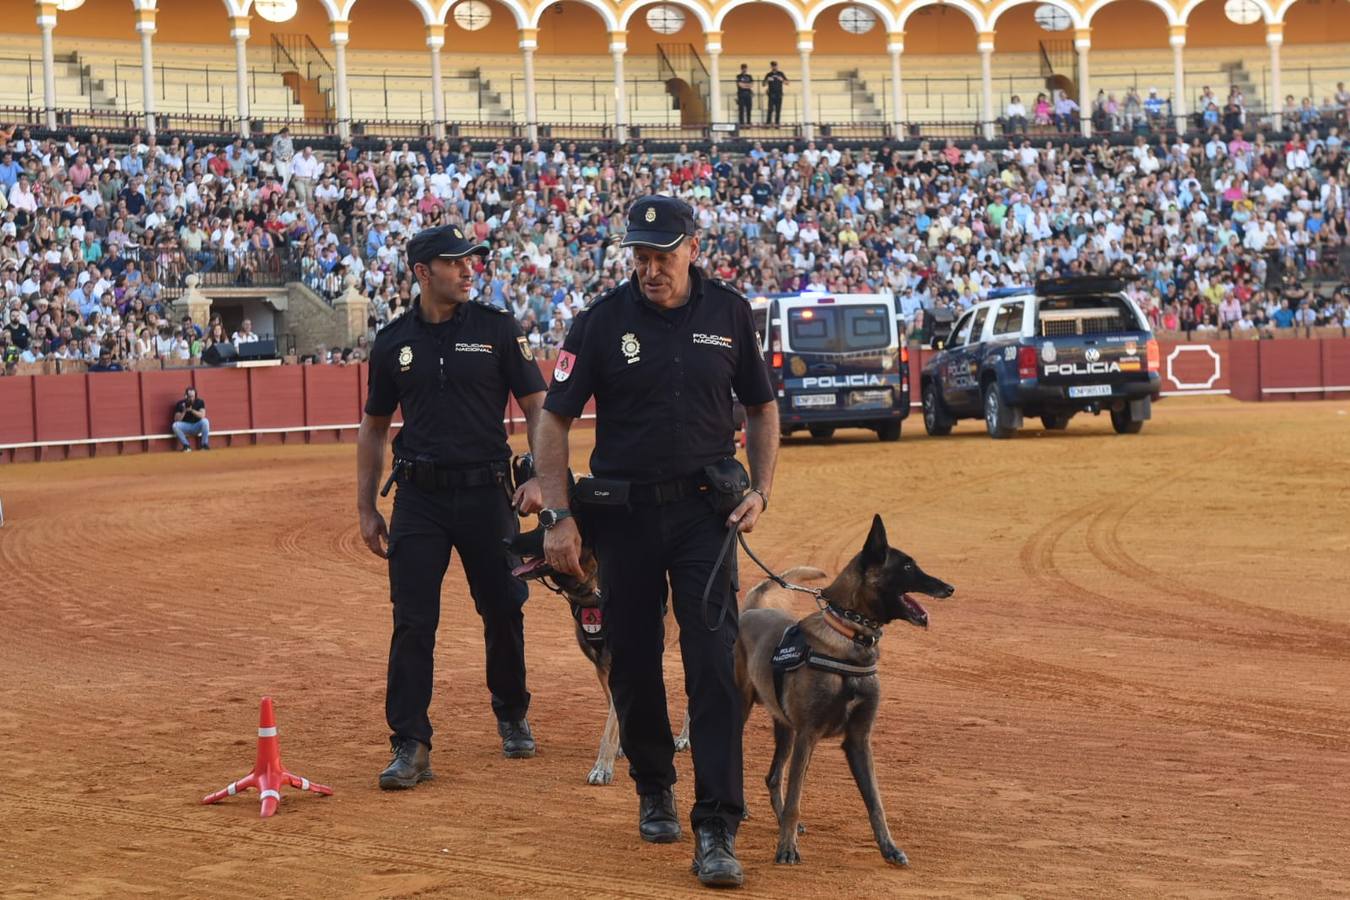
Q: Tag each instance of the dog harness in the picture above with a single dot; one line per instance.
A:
(794, 651)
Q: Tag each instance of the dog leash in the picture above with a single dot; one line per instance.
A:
(735, 535)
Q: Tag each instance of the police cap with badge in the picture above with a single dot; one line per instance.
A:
(661, 223)
(442, 242)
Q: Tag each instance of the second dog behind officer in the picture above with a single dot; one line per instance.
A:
(449, 363)
(661, 354)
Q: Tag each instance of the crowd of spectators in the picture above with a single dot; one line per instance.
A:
(1225, 229)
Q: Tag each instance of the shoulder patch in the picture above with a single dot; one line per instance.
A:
(492, 307)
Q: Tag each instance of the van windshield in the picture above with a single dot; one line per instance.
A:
(839, 329)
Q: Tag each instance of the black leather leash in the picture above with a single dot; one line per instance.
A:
(735, 535)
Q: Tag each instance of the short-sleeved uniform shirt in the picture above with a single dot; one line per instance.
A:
(775, 81)
(662, 379)
(451, 380)
(745, 82)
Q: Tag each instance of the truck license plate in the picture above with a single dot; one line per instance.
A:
(1090, 390)
(814, 400)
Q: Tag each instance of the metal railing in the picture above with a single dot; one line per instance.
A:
(243, 267)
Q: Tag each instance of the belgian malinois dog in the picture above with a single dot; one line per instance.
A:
(829, 686)
(583, 596)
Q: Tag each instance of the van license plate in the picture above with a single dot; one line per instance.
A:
(1090, 390)
(814, 400)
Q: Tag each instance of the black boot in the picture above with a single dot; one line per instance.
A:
(657, 822)
(715, 861)
(517, 742)
(411, 764)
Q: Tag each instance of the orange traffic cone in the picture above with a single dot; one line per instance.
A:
(268, 774)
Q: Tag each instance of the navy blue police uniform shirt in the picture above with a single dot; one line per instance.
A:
(662, 379)
(451, 379)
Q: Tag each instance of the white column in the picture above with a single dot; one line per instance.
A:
(435, 41)
(806, 42)
(1179, 99)
(341, 98)
(239, 32)
(529, 40)
(618, 46)
(46, 20)
(146, 26)
(895, 45)
(713, 44)
(987, 116)
(1274, 38)
(1082, 42)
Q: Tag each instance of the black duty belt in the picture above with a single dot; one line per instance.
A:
(662, 492)
(430, 476)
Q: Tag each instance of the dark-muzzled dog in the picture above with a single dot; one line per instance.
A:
(817, 676)
(583, 596)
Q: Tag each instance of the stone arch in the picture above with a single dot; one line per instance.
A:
(698, 9)
(1168, 10)
(884, 12)
(970, 9)
(1074, 15)
(798, 20)
(605, 11)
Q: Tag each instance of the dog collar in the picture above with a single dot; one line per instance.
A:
(850, 624)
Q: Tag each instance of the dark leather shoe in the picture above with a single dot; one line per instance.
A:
(411, 765)
(657, 822)
(715, 861)
(517, 742)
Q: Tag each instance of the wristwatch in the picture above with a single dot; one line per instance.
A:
(550, 517)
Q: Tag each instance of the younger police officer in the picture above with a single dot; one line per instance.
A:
(448, 363)
(773, 82)
(661, 355)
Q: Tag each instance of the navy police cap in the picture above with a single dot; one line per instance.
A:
(658, 222)
(444, 242)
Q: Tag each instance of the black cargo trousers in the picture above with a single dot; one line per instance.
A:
(426, 526)
(644, 552)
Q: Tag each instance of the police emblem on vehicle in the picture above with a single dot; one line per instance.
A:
(798, 366)
(1092, 354)
(651, 214)
(405, 357)
(628, 344)
(1048, 351)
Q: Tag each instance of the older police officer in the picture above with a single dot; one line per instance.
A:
(448, 363)
(661, 354)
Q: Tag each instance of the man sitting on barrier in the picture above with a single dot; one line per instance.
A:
(189, 418)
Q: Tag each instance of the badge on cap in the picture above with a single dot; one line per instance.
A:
(651, 214)
(459, 234)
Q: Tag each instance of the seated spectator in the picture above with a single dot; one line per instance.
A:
(189, 418)
(245, 334)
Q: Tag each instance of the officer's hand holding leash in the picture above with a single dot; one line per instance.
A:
(747, 512)
(562, 545)
(528, 498)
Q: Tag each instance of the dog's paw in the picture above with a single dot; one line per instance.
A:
(787, 856)
(894, 855)
(619, 754)
(601, 774)
(681, 744)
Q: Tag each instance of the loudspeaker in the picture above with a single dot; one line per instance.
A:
(220, 354)
(258, 350)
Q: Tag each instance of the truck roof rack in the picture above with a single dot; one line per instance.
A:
(1084, 284)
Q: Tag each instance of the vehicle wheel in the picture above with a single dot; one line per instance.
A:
(889, 431)
(1055, 422)
(822, 431)
(935, 419)
(998, 417)
(1124, 423)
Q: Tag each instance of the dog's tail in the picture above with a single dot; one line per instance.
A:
(755, 596)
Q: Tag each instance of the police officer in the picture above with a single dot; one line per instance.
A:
(745, 95)
(774, 81)
(448, 362)
(661, 355)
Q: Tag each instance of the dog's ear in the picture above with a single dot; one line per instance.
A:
(875, 550)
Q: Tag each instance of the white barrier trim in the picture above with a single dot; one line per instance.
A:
(1306, 390)
(1210, 392)
(172, 437)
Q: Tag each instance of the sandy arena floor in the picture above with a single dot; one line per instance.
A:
(1139, 689)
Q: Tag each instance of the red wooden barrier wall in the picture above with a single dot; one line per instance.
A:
(61, 416)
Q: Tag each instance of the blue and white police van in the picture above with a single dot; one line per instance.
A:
(836, 361)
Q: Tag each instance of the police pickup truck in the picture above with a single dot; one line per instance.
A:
(1067, 346)
(835, 360)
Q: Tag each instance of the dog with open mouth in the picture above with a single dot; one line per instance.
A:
(817, 676)
(583, 596)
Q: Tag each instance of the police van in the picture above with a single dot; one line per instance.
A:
(835, 361)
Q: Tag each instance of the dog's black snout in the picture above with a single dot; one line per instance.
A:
(947, 591)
